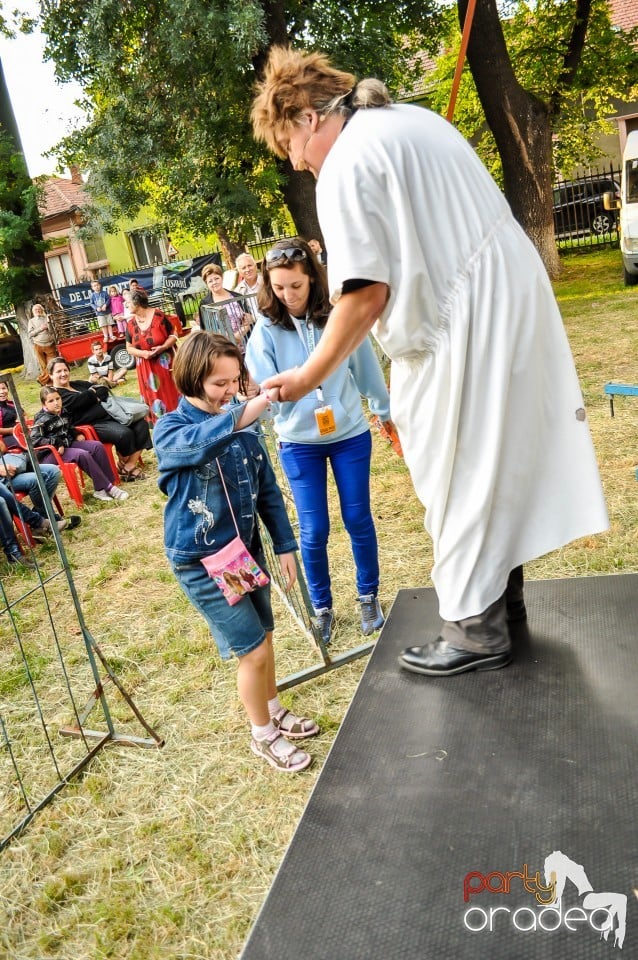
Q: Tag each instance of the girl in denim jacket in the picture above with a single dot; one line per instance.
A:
(193, 443)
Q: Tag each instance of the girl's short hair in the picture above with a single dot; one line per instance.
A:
(46, 392)
(196, 358)
(288, 254)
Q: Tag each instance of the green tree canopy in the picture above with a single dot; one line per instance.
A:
(168, 87)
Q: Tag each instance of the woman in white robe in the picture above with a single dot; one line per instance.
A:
(483, 390)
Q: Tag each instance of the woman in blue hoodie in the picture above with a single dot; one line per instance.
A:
(327, 425)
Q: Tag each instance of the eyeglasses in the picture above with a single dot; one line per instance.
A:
(294, 254)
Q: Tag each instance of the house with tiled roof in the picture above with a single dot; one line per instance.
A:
(72, 257)
(69, 258)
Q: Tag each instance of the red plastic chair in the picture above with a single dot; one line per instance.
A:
(90, 433)
(23, 528)
(73, 476)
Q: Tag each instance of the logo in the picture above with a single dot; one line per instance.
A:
(598, 913)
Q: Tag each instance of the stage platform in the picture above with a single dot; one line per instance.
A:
(436, 788)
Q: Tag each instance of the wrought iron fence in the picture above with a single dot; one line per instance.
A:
(581, 221)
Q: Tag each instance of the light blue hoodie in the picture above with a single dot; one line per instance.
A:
(271, 349)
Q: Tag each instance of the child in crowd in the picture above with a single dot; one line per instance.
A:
(117, 309)
(101, 303)
(101, 367)
(218, 479)
(51, 427)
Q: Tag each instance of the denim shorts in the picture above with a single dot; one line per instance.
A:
(237, 629)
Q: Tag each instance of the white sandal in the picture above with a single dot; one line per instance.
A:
(274, 750)
(293, 727)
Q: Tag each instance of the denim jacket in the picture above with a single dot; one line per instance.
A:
(197, 519)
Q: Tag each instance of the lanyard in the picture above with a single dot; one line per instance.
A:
(309, 342)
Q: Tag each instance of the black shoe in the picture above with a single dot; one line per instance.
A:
(439, 659)
(19, 559)
(74, 521)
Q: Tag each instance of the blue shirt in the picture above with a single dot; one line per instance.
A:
(272, 349)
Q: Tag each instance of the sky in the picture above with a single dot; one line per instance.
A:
(44, 109)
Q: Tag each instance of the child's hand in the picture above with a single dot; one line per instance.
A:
(288, 569)
(61, 450)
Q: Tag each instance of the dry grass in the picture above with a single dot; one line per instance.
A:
(169, 854)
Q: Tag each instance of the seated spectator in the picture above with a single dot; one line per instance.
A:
(101, 367)
(40, 526)
(117, 309)
(81, 404)
(52, 428)
(8, 541)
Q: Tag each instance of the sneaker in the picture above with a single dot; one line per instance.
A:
(116, 493)
(371, 614)
(281, 754)
(323, 621)
(101, 495)
(45, 530)
(16, 558)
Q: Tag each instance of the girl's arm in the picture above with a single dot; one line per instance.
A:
(252, 410)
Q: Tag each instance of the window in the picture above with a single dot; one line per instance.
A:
(148, 249)
(60, 270)
(94, 250)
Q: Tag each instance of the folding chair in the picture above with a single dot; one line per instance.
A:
(73, 476)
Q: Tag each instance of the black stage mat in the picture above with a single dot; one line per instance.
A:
(430, 780)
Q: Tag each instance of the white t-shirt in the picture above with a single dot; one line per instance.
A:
(483, 390)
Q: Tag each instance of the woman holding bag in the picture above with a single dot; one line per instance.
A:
(81, 402)
(151, 336)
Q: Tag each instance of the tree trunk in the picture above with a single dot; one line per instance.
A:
(299, 194)
(230, 248)
(522, 130)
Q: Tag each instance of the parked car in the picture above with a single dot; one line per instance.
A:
(579, 207)
(11, 353)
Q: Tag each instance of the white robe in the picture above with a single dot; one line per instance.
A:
(484, 391)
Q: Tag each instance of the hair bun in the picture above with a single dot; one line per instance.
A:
(370, 93)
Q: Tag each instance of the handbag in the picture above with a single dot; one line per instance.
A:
(233, 568)
(125, 410)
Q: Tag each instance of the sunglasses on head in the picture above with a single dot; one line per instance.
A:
(294, 254)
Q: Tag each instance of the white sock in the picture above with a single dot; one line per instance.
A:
(274, 706)
(262, 733)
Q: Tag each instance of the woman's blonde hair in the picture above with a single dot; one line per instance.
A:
(295, 81)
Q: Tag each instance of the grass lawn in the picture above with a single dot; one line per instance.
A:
(161, 854)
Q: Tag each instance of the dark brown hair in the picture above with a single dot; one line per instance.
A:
(318, 307)
(196, 359)
(53, 362)
(46, 392)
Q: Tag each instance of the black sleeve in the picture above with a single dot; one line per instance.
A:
(351, 285)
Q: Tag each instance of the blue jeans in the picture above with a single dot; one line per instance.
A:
(27, 482)
(20, 509)
(306, 466)
(237, 629)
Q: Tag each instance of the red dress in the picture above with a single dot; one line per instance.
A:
(154, 376)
